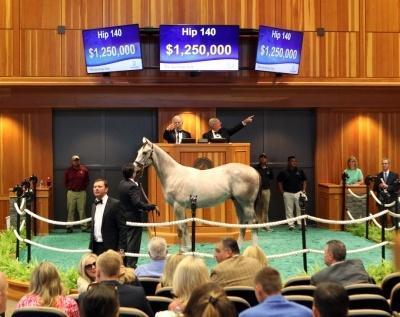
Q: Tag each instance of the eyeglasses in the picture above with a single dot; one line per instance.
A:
(90, 266)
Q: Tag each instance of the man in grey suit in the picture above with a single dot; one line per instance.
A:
(339, 269)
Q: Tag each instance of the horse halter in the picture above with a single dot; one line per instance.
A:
(145, 162)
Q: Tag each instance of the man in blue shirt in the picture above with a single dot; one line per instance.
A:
(157, 249)
(268, 286)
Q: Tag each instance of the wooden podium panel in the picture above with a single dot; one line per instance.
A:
(44, 207)
(187, 154)
(330, 202)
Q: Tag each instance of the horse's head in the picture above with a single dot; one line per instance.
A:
(144, 156)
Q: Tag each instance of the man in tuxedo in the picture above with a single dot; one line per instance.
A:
(385, 183)
(340, 270)
(219, 132)
(174, 132)
(108, 221)
(132, 203)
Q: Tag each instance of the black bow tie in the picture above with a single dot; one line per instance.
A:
(100, 201)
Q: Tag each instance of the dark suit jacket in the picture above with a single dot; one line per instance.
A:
(170, 136)
(113, 227)
(130, 197)
(346, 273)
(392, 177)
(226, 133)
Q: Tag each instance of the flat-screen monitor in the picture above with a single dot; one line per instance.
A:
(218, 140)
(188, 140)
(279, 50)
(199, 47)
(112, 49)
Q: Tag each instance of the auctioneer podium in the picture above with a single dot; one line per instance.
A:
(201, 156)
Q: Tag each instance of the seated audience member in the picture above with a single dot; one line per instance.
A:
(108, 272)
(190, 273)
(3, 294)
(354, 174)
(268, 286)
(174, 133)
(46, 290)
(219, 132)
(255, 252)
(330, 300)
(127, 276)
(339, 269)
(233, 269)
(86, 271)
(99, 301)
(157, 249)
(169, 269)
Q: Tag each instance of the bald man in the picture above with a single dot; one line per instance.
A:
(3, 293)
(174, 132)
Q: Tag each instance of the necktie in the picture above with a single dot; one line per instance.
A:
(385, 175)
(99, 201)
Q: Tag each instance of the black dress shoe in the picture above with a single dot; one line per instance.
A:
(69, 230)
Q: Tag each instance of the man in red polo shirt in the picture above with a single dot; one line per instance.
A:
(76, 181)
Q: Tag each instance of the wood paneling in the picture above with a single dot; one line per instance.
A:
(40, 14)
(129, 12)
(301, 15)
(83, 14)
(73, 55)
(25, 149)
(382, 15)
(6, 14)
(40, 53)
(340, 15)
(6, 52)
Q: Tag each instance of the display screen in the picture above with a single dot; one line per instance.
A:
(112, 49)
(279, 50)
(199, 47)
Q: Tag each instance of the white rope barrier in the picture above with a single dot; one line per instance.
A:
(394, 214)
(350, 215)
(378, 245)
(379, 202)
(158, 224)
(348, 222)
(355, 195)
(380, 227)
(39, 245)
(18, 210)
(59, 223)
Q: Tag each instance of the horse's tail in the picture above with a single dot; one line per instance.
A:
(258, 204)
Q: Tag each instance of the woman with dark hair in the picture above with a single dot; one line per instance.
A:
(99, 301)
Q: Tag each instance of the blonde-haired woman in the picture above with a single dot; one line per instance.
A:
(354, 174)
(86, 271)
(46, 290)
(255, 252)
(170, 266)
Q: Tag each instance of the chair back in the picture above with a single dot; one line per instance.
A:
(369, 301)
(363, 288)
(389, 282)
(165, 292)
(159, 303)
(395, 299)
(38, 311)
(307, 290)
(245, 292)
(129, 311)
(240, 303)
(368, 313)
(301, 299)
(149, 284)
(298, 280)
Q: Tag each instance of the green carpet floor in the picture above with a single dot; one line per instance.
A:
(281, 240)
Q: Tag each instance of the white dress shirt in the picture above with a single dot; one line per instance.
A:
(98, 219)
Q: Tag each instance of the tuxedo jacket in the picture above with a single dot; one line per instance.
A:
(113, 226)
(345, 273)
(226, 133)
(170, 136)
(390, 181)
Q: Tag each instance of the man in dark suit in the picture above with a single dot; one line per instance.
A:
(107, 272)
(109, 225)
(219, 132)
(385, 183)
(132, 203)
(174, 132)
(339, 269)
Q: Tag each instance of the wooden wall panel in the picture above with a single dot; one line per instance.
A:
(40, 53)
(73, 55)
(302, 15)
(382, 55)
(25, 149)
(340, 15)
(6, 14)
(83, 14)
(129, 12)
(40, 14)
(6, 52)
(382, 15)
